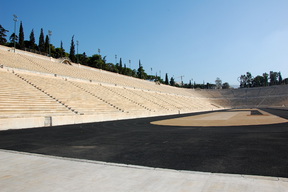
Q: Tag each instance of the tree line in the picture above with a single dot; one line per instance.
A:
(45, 47)
(266, 79)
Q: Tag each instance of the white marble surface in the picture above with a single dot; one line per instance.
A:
(34, 173)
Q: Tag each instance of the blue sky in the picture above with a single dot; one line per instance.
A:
(199, 39)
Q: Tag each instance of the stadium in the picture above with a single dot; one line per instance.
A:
(54, 110)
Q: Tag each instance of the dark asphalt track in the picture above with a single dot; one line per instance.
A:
(254, 150)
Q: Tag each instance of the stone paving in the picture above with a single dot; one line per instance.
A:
(33, 173)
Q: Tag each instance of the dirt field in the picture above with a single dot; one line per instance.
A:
(227, 118)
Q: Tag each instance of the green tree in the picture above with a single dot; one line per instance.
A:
(3, 35)
(53, 51)
(242, 80)
(172, 81)
(285, 81)
(265, 79)
(59, 52)
(249, 79)
(280, 78)
(258, 81)
(111, 67)
(41, 43)
(46, 44)
(273, 78)
(190, 84)
(129, 71)
(124, 70)
(120, 66)
(140, 71)
(21, 37)
(96, 61)
(83, 59)
(246, 80)
(32, 40)
(13, 38)
(62, 50)
(218, 83)
(72, 50)
(225, 85)
(166, 79)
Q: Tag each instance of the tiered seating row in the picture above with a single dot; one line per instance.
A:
(15, 60)
(248, 97)
(28, 62)
(40, 95)
(75, 98)
(18, 98)
(147, 97)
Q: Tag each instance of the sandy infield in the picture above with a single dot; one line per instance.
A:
(227, 118)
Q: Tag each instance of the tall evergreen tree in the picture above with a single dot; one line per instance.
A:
(172, 81)
(190, 84)
(140, 72)
(124, 70)
(120, 69)
(166, 79)
(41, 44)
(120, 63)
(62, 50)
(46, 44)
(3, 35)
(13, 38)
(21, 37)
(72, 50)
(32, 40)
(280, 78)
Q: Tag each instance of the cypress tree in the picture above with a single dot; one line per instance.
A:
(140, 71)
(120, 63)
(41, 44)
(166, 79)
(190, 84)
(120, 66)
(32, 40)
(124, 70)
(62, 53)
(280, 78)
(46, 44)
(72, 50)
(21, 37)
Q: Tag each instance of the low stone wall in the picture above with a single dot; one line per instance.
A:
(21, 123)
(33, 122)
